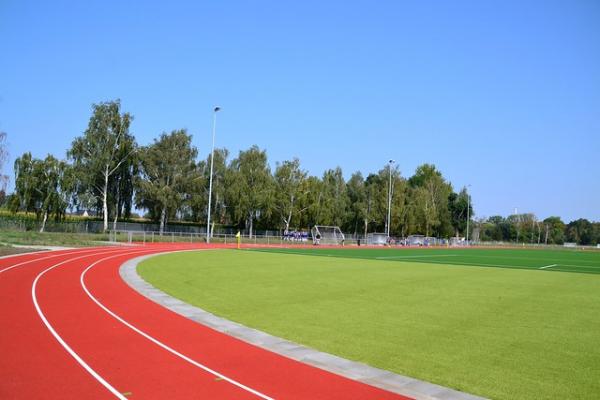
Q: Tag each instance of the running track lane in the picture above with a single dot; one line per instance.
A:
(37, 366)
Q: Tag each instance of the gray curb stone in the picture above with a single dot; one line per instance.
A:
(404, 385)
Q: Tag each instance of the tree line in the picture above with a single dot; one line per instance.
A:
(526, 228)
(107, 172)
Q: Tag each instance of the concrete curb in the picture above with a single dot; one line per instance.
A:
(404, 385)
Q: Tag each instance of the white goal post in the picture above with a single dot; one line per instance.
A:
(377, 239)
(327, 235)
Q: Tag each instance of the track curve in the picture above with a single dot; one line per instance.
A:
(71, 328)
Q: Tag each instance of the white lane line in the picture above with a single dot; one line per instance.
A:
(59, 338)
(47, 257)
(548, 266)
(161, 344)
(422, 256)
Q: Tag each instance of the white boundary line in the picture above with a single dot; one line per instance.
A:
(159, 343)
(419, 256)
(45, 258)
(59, 338)
(549, 266)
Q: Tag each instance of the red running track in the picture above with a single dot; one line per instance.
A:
(72, 329)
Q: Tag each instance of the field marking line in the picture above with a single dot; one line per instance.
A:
(59, 338)
(526, 258)
(419, 256)
(161, 344)
(580, 266)
(47, 257)
(548, 266)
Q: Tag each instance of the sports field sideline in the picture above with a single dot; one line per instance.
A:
(567, 260)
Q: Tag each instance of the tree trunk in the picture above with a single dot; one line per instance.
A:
(366, 229)
(117, 211)
(250, 227)
(287, 222)
(163, 217)
(105, 199)
(44, 221)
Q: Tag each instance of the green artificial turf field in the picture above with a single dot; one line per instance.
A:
(502, 333)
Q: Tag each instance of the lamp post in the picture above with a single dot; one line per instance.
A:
(389, 213)
(468, 212)
(212, 158)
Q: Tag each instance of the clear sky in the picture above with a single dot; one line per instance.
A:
(502, 95)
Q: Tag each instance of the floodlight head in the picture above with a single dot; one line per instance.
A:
(392, 161)
(217, 109)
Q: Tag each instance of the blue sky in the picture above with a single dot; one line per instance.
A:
(502, 95)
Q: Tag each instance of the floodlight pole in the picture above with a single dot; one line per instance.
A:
(468, 212)
(212, 157)
(389, 214)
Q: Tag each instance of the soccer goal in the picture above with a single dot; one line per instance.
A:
(377, 239)
(327, 235)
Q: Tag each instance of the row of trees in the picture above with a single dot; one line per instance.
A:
(526, 228)
(108, 173)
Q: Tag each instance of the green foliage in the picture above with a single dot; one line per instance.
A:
(429, 193)
(289, 181)
(108, 171)
(459, 206)
(250, 188)
(167, 171)
(554, 230)
(44, 187)
(583, 232)
(103, 158)
(3, 158)
(334, 201)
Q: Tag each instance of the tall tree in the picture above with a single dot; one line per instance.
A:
(250, 187)
(311, 202)
(580, 231)
(104, 147)
(554, 230)
(335, 200)
(289, 184)
(376, 192)
(430, 192)
(3, 159)
(167, 170)
(121, 188)
(43, 186)
(460, 208)
(55, 187)
(359, 206)
(219, 206)
(25, 183)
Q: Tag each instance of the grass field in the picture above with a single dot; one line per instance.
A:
(512, 332)
(561, 260)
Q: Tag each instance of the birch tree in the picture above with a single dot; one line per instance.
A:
(104, 147)
(3, 158)
(167, 170)
(289, 182)
(250, 187)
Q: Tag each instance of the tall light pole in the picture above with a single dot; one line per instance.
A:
(389, 214)
(468, 212)
(212, 158)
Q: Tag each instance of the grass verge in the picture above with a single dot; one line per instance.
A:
(51, 238)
